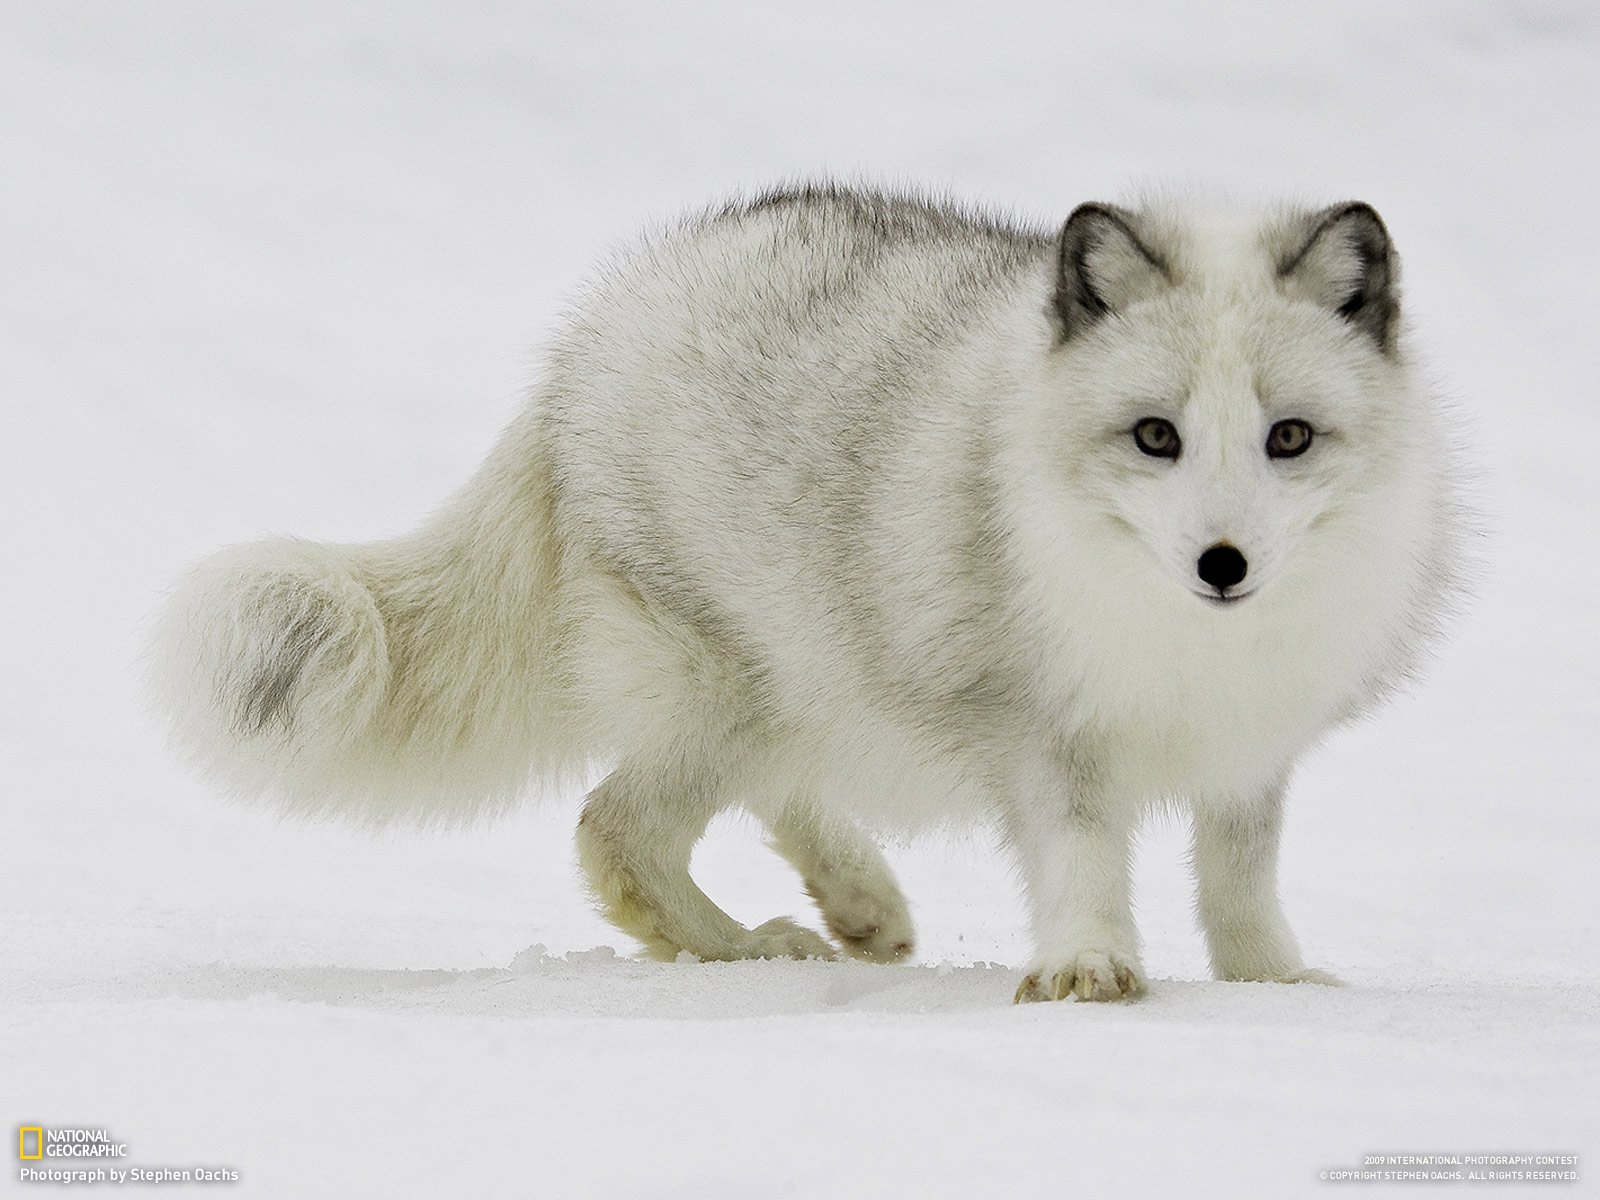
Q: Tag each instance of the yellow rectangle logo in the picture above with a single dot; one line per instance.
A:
(38, 1141)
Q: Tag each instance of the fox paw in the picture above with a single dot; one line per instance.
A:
(876, 928)
(1258, 973)
(1311, 975)
(783, 938)
(1088, 975)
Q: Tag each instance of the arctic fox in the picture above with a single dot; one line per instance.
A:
(863, 511)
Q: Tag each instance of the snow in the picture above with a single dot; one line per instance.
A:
(284, 267)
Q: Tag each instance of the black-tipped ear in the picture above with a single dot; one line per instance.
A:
(1104, 266)
(1345, 262)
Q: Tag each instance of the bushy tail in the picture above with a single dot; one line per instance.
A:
(423, 678)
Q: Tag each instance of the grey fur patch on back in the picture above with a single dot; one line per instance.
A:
(885, 215)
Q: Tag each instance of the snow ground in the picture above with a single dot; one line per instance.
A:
(278, 268)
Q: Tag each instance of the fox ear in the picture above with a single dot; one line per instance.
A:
(1103, 267)
(1344, 261)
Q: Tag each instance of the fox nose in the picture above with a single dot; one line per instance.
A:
(1222, 566)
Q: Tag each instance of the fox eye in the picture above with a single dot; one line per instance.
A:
(1286, 439)
(1157, 437)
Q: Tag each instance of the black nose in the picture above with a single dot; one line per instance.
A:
(1222, 566)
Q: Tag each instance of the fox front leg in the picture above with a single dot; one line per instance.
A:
(1071, 835)
(1236, 870)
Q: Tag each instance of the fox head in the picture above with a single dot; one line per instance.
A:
(1224, 394)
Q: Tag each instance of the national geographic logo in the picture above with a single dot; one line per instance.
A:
(38, 1142)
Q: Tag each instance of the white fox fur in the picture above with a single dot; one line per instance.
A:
(841, 507)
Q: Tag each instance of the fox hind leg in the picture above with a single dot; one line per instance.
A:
(635, 838)
(850, 881)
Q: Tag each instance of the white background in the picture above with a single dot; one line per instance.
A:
(285, 267)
